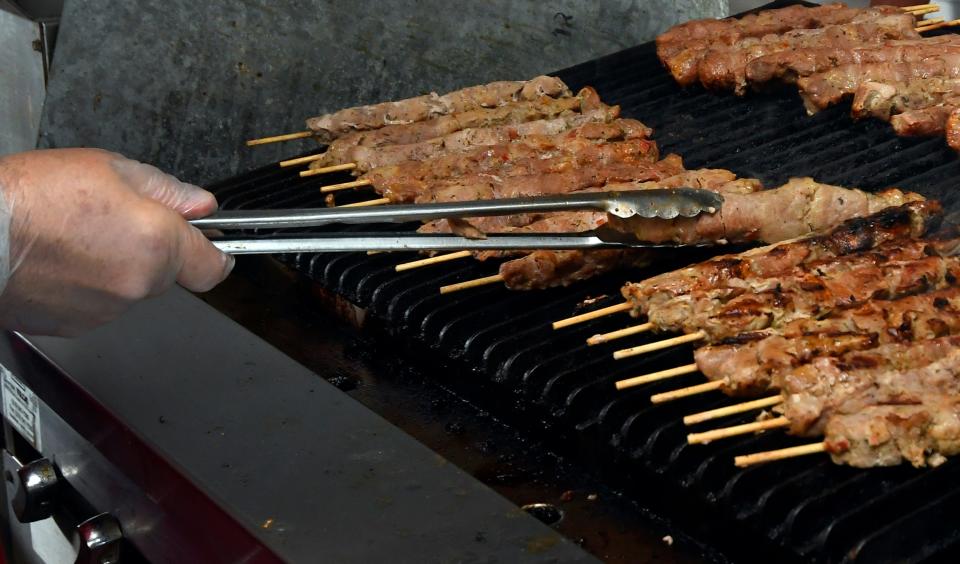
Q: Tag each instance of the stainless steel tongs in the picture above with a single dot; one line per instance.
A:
(656, 203)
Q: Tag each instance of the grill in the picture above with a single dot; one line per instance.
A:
(496, 347)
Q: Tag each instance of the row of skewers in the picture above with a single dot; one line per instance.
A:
(850, 335)
(543, 140)
(535, 137)
(874, 56)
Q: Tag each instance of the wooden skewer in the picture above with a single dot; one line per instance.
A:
(326, 169)
(736, 430)
(950, 23)
(916, 7)
(686, 392)
(664, 344)
(931, 21)
(590, 315)
(771, 455)
(731, 410)
(302, 160)
(377, 202)
(278, 138)
(344, 186)
(471, 284)
(619, 334)
(432, 260)
(928, 9)
(656, 376)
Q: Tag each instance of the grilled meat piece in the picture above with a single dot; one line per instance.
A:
(924, 122)
(766, 22)
(911, 220)
(824, 89)
(952, 132)
(725, 67)
(884, 100)
(371, 158)
(547, 269)
(341, 150)
(682, 47)
(754, 362)
(421, 108)
(531, 155)
(641, 176)
(844, 282)
(886, 435)
(899, 373)
(788, 65)
(798, 208)
(613, 162)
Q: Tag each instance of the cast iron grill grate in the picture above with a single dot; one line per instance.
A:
(501, 341)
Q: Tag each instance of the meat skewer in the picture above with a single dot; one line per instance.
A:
(830, 52)
(328, 127)
(721, 309)
(745, 221)
(544, 269)
(789, 65)
(821, 90)
(884, 100)
(356, 147)
(830, 385)
(896, 403)
(758, 362)
(798, 208)
(725, 67)
(593, 166)
(591, 145)
(617, 176)
(811, 290)
(911, 220)
(882, 436)
(365, 159)
(771, 309)
(682, 47)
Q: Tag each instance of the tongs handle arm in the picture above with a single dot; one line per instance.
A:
(666, 203)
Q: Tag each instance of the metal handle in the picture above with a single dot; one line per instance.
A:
(337, 243)
(36, 489)
(662, 203)
(406, 242)
(100, 540)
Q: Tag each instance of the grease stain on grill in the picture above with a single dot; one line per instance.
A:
(344, 382)
(546, 513)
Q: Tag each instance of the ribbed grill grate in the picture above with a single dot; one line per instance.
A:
(806, 507)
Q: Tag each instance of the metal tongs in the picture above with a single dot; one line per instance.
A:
(657, 203)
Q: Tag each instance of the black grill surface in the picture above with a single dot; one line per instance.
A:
(497, 345)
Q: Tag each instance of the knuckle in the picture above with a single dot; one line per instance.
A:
(154, 238)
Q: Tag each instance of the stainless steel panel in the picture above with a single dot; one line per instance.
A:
(21, 83)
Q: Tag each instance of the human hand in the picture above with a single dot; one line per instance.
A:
(90, 234)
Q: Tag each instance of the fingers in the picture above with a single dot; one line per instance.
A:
(186, 199)
(203, 266)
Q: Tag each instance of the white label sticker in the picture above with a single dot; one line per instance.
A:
(20, 407)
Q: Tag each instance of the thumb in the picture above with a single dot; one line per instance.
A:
(202, 265)
(186, 199)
